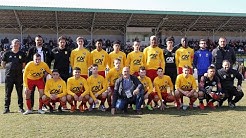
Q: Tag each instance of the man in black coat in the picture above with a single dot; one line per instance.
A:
(128, 90)
(223, 52)
(61, 56)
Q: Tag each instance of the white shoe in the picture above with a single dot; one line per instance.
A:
(27, 112)
(185, 107)
(102, 108)
(195, 106)
(41, 111)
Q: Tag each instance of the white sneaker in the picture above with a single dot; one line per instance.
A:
(27, 112)
(184, 107)
(41, 111)
(102, 108)
(195, 106)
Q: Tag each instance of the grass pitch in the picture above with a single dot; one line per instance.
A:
(222, 122)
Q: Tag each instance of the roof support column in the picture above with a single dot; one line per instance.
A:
(57, 26)
(125, 27)
(157, 28)
(222, 25)
(20, 25)
(192, 24)
(92, 26)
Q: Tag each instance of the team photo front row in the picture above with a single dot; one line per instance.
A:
(121, 90)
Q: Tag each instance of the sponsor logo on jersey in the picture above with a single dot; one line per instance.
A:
(137, 62)
(80, 58)
(170, 60)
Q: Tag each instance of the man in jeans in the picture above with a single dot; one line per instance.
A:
(128, 90)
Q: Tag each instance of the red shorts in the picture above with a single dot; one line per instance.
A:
(56, 100)
(79, 93)
(84, 76)
(180, 70)
(165, 96)
(102, 73)
(151, 73)
(39, 83)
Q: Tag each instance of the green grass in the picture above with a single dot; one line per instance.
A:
(223, 122)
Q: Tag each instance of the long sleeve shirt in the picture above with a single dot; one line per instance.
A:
(185, 84)
(35, 72)
(113, 75)
(81, 58)
(147, 84)
(161, 85)
(135, 60)
(97, 85)
(55, 87)
(100, 58)
(154, 58)
(120, 55)
(75, 86)
(184, 56)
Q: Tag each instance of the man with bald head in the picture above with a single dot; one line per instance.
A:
(128, 90)
(154, 58)
(223, 52)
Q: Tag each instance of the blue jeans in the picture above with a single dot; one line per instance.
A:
(122, 104)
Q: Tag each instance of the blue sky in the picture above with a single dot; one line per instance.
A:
(225, 6)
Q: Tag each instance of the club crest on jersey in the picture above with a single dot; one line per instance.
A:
(200, 55)
(80, 84)
(10, 56)
(20, 57)
(156, 52)
(65, 52)
(206, 54)
(84, 53)
(42, 69)
(59, 86)
(213, 83)
(232, 75)
(224, 76)
(102, 55)
(120, 57)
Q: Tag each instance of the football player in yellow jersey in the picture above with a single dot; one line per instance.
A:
(186, 86)
(55, 91)
(100, 57)
(148, 86)
(135, 59)
(116, 54)
(97, 87)
(77, 90)
(154, 58)
(112, 76)
(33, 75)
(184, 56)
(81, 57)
(161, 83)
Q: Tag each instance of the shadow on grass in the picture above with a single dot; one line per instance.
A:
(96, 112)
(169, 111)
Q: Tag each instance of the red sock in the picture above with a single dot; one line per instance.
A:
(103, 101)
(40, 103)
(28, 104)
(63, 104)
(46, 102)
(109, 101)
